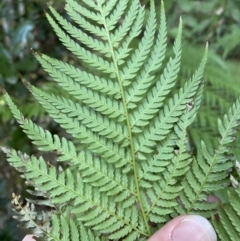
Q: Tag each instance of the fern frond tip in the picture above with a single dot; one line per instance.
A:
(5, 149)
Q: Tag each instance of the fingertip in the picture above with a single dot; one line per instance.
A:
(164, 234)
(29, 238)
(186, 227)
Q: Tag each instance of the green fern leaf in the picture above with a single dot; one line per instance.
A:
(80, 35)
(144, 79)
(126, 161)
(78, 15)
(105, 126)
(82, 77)
(94, 171)
(227, 221)
(209, 171)
(66, 228)
(221, 79)
(86, 95)
(81, 53)
(171, 112)
(63, 188)
(31, 220)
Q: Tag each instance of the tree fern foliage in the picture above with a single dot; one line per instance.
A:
(221, 79)
(228, 228)
(125, 167)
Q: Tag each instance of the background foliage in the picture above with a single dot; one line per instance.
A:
(24, 26)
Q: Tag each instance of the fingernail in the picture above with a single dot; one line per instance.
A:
(195, 228)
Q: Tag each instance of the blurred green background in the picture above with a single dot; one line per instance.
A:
(23, 27)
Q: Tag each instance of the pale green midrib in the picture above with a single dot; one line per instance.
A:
(128, 125)
(218, 152)
(76, 194)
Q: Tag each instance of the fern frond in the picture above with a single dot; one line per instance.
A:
(92, 120)
(154, 99)
(113, 18)
(91, 98)
(169, 148)
(144, 79)
(83, 54)
(88, 203)
(121, 32)
(123, 51)
(94, 170)
(209, 171)
(227, 221)
(139, 56)
(91, 11)
(127, 162)
(82, 21)
(75, 32)
(222, 89)
(162, 196)
(66, 228)
(111, 152)
(93, 82)
(31, 219)
(161, 125)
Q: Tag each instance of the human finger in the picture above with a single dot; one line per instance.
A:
(186, 228)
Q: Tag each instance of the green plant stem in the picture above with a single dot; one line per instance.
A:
(134, 164)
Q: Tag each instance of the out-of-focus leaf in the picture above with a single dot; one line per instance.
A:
(22, 35)
(186, 6)
(11, 79)
(27, 64)
(233, 10)
(7, 69)
(4, 54)
(230, 41)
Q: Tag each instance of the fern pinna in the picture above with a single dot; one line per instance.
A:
(127, 167)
